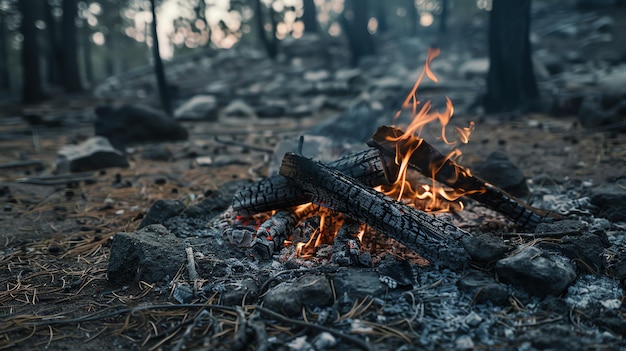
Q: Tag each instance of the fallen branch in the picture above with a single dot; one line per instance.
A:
(430, 162)
(432, 238)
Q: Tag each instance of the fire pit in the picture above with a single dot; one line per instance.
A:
(374, 248)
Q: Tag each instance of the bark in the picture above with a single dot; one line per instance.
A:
(5, 82)
(32, 90)
(270, 44)
(309, 17)
(381, 16)
(425, 157)
(511, 83)
(431, 238)
(159, 71)
(86, 44)
(277, 193)
(71, 74)
(359, 39)
(443, 18)
(413, 17)
(54, 55)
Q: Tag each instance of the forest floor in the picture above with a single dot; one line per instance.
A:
(55, 236)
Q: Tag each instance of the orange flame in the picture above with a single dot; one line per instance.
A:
(426, 197)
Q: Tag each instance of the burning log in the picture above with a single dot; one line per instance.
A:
(434, 239)
(431, 163)
(277, 193)
(272, 233)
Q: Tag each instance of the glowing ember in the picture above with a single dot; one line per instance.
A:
(426, 197)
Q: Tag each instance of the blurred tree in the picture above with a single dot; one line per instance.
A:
(511, 83)
(413, 17)
(309, 17)
(443, 17)
(53, 48)
(271, 43)
(32, 90)
(354, 21)
(5, 81)
(85, 35)
(71, 73)
(381, 16)
(158, 64)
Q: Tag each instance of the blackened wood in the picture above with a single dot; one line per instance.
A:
(432, 238)
(272, 234)
(425, 157)
(276, 192)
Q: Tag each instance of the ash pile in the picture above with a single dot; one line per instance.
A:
(499, 274)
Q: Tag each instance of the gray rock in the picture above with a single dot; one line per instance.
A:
(592, 114)
(485, 248)
(536, 272)
(198, 108)
(239, 108)
(151, 254)
(474, 68)
(235, 294)
(94, 153)
(484, 289)
(358, 282)
(566, 225)
(162, 210)
(289, 297)
(500, 171)
(132, 124)
(610, 202)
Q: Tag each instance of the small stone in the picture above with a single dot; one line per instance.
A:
(92, 154)
(498, 170)
(464, 342)
(473, 319)
(198, 108)
(485, 248)
(239, 108)
(290, 297)
(132, 124)
(151, 254)
(536, 271)
(484, 289)
(161, 210)
(611, 203)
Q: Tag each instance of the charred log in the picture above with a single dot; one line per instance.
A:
(276, 192)
(272, 234)
(436, 240)
(426, 158)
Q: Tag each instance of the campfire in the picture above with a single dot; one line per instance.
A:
(327, 210)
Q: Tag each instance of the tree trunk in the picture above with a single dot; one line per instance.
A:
(32, 90)
(270, 44)
(309, 18)
(359, 38)
(511, 83)
(53, 53)
(71, 73)
(158, 64)
(5, 81)
(381, 16)
(413, 16)
(86, 44)
(443, 18)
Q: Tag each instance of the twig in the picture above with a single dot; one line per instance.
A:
(358, 342)
(259, 330)
(241, 336)
(191, 269)
(20, 164)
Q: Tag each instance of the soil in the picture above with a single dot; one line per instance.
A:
(55, 237)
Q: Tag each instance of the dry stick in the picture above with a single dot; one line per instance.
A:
(432, 238)
(426, 157)
(358, 342)
(277, 193)
(191, 269)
